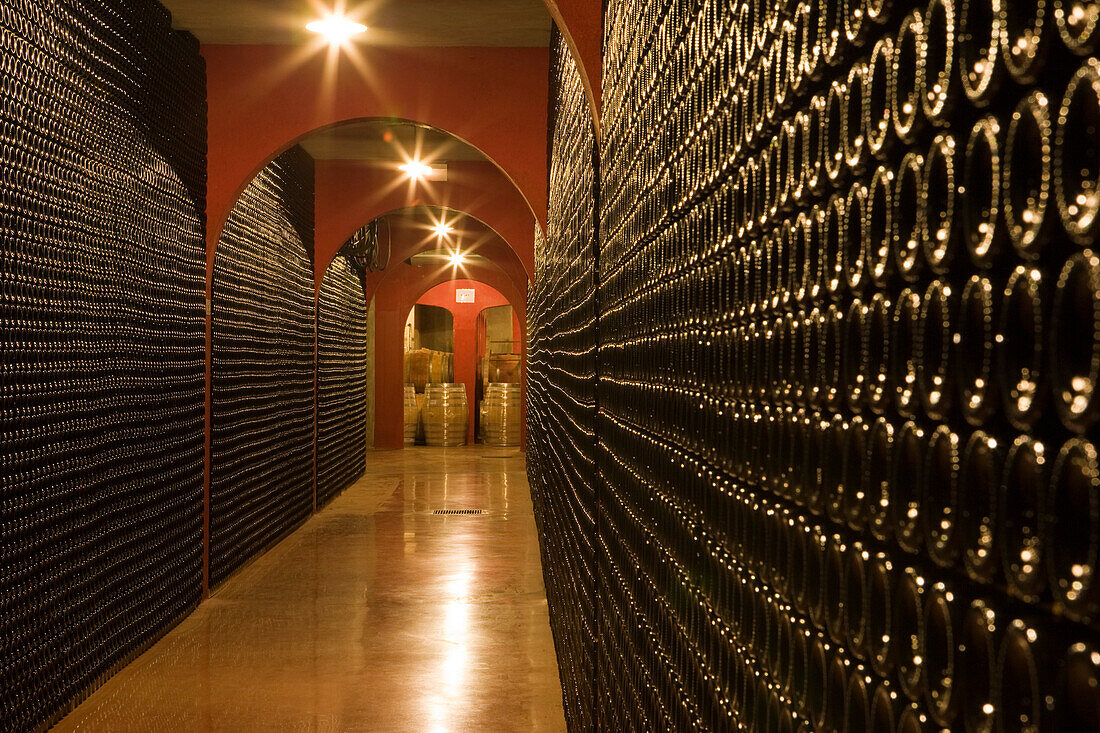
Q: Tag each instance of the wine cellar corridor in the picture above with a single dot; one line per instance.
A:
(540, 365)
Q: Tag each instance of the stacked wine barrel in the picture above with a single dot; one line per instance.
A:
(501, 423)
(412, 414)
(418, 368)
(504, 368)
(849, 347)
(445, 414)
(102, 343)
(426, 366)
(263, 366)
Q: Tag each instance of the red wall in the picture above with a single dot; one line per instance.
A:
(465, 315)
(352, 193)
(263, 99)
(403, 287)
(581, 24)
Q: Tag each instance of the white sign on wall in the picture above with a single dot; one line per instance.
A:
(464, 295)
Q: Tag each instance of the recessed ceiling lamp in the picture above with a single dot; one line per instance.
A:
(418, 170)
(415, 169)
(442, 229)
(336, 28)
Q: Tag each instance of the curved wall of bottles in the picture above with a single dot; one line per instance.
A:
(102, 343)
(261, 479)
(849, 346)
(561, 388)
(341, 379)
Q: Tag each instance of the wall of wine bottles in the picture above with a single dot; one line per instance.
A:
(102, 343)
(261, 481)
(341, 379)
(849, 347)
(561, 387)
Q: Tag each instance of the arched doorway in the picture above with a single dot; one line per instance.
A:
(465, 301)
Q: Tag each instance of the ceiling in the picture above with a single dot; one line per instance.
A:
(419, 220)
(390, 22)
(436, 257)
(386, 141)
(466, 232)
(478, 243)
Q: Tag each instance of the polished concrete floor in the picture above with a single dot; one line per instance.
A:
(376, 615)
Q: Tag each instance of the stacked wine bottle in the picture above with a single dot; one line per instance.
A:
(102, 343)
(849, 344)
(561, 388)
(261, 484)
(341, 378)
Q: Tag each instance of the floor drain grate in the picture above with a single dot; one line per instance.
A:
(459, 511)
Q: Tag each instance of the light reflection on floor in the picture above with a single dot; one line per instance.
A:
(377, 615)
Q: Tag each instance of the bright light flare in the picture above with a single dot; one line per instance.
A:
(415, 169)
(442, 229)
(457, 259)
(336, 29)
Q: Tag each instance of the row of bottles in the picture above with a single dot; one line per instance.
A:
(994, 349)
(341, 378)
(561, 390)
(261, 480)
(102, 343)
(848, 328)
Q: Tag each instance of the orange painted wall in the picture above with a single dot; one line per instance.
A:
(581, 24)
(262, 99)
(402, 287)
(465, 326)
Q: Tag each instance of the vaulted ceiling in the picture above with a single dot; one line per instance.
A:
(382, 141)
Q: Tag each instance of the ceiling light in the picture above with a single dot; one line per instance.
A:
(442, 229)
(418, 170)
(336, 29)
(415, 169)
(457, 259)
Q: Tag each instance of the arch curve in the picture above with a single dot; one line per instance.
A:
(501, 260)
(581, 25)
(392, 301)
(517, 261)
(444, 88)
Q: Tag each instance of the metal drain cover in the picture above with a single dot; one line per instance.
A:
(459, 511)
